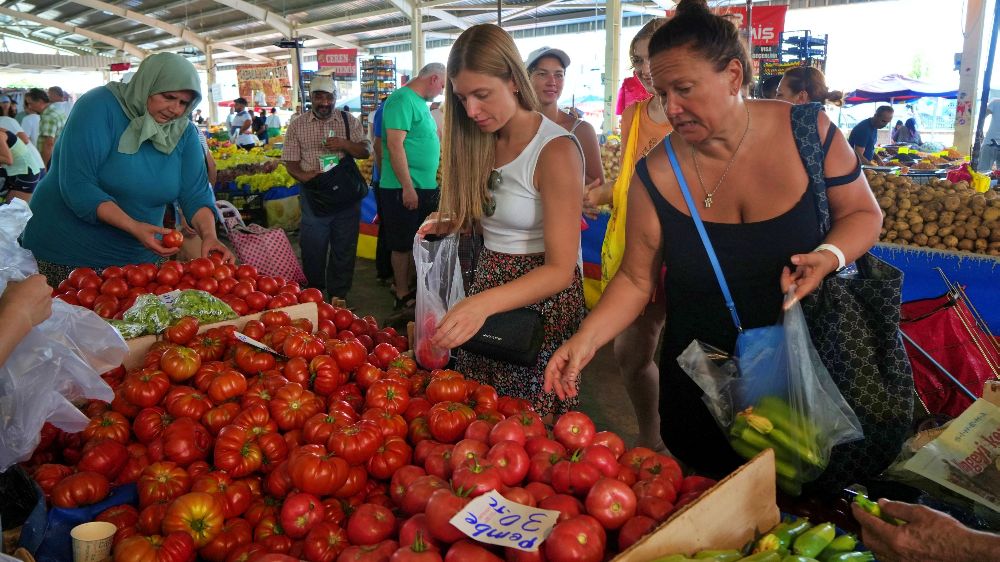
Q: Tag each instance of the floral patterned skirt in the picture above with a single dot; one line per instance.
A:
(561, 314)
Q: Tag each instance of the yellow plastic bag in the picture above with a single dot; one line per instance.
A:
(980, 182)
(284, 213)
(614, 238)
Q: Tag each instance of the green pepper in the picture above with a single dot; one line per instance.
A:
(762, 557)
(852, 557)
(719, 555)
(813, 541)
(876, 510)
(843, 543)
(796, 558)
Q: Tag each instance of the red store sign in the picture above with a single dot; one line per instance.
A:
(344, 62)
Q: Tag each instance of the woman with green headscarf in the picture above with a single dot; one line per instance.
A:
(126, 152)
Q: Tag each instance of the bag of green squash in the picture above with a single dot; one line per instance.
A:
(775, 394)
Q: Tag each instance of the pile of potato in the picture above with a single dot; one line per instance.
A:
(939, 215)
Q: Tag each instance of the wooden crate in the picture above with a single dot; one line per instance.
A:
(730, 514)
(137, 347)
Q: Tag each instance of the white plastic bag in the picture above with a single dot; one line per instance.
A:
(775, 394)
(439, 286)
(58, 362)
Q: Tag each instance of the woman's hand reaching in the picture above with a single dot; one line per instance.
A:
(810, 270)
(461, 322)
(562, 374)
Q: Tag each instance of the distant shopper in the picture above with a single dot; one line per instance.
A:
(20, 166)
(13, 126)
(7, 106)
(198, 118)
(895, 129)
(50, 124)
(989, 154)
(260, 126)
(273, 123)
(31, 123)
(411, 153)
(383, 259)
(242, 128)
(547, 69)
(769, 87)
(805, 84)
(60, 100)
(909, 133)
(329, 242)
(864, 135)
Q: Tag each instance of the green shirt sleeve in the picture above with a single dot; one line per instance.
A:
(398, 114)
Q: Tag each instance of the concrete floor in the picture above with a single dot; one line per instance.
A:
(603, 396)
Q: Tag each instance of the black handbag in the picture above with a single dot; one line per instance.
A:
(854, 323)
(513, 337)
(339, 187)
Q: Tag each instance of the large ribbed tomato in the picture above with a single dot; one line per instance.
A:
(390, 395)
(162, 481)
(356, 443)
(198, 514)
(237, 451)
(175, 547)
(82, 488)
(394, 454)
(292, 405)
(108, 425)
(145, 388)
(447, 386)
(448, 420)
(313, 470)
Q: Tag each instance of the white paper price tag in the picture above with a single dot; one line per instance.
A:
(493, 519)
(170, 298)
(250, 341)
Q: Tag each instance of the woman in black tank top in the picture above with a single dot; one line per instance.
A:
(746, 174)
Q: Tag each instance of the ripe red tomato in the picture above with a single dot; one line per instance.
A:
(441, 507)
(168, 276)
(661, 465)
(633, 530)
(448, 420)
(237, 451)
(325, 542)
(476, 478)
(235, 533)
(601, 457)
(136, 277)
(394, 454)
(78, 274)
(48, 475)
(311, 295)
(186, 402)
(447, 386)
(145, 388)
(574, 476)
(173, 239)
(246, 271)
(106, 306)
(106, 457)
(313, 470)
(180, 363)
(80, 489)
(207, 284)
(175, 547)
(256, 300)
(186, 441)
(300, 512)
(198, 514)
(267, 285)
(124, 517)
(575, 430)
(578, 539)
(201, 268)
(356, 443)
(511, 461)
(109, 425)
(611, 502)
(370, 524)
(162, 482)
(241, 289)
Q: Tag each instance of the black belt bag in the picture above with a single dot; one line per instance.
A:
(513, 337)
(337, 188)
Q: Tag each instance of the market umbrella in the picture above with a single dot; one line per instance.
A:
(896, 87)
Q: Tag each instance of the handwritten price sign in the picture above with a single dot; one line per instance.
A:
(493, 519)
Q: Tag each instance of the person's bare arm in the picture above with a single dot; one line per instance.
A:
(210, 165)
(6, 156)
(295, 170)
(927, 536)
(401, 166)
(24, 137)
(109, 212)
(359, 149)
(45, 147)
(591, 154)
(23, 305)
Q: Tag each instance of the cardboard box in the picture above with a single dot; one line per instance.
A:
(991, 392)
(730, 514)
(137, 347)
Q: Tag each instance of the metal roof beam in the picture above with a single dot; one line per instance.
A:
(50, 44)
(116, 43)
(176, 21)
(283, 25)
(405, 6)
(448, 18)
(637, 9)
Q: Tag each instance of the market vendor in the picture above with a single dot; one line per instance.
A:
(126, 154)
(864, 135)
(759, 208)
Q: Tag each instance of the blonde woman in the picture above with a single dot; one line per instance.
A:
(519, 177)
(644, 124)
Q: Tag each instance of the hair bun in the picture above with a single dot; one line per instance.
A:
(692, 7)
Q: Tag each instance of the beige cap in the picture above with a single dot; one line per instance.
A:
(321, 84)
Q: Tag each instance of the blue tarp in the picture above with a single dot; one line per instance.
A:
(895, 87)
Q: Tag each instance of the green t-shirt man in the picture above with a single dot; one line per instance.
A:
(406, 111)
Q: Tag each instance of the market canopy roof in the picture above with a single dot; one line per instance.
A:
(895, 87)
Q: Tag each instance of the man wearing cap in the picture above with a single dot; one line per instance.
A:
(313, 143)
(241, 128)
(411, 154)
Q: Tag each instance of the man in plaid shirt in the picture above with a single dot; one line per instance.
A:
(313, 142)
(51, 123)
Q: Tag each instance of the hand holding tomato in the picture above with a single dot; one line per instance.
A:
(146, 233)
(173, 239)
(212, 245)
(461, 322)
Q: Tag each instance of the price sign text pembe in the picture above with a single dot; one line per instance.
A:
(492, 518)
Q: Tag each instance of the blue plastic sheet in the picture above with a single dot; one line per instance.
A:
(46, 533)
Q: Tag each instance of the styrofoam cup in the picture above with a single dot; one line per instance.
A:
(92, 541)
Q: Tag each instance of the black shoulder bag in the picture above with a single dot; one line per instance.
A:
(854, 324)
(335, 189)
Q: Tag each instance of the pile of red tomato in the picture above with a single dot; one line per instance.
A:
(113, 291)
(338, 451)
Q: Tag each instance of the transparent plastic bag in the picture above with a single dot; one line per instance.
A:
(439, 286)
(777, 394)
(56, 363)
(203, 306)
(148, 312)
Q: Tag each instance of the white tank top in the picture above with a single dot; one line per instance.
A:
(516, 226)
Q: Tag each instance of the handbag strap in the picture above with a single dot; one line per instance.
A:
(347, 131)
(700, 226)
(805, 130)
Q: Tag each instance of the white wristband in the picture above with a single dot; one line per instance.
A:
(841, 261)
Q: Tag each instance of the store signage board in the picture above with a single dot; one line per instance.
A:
(343, 62)
(768, 21)
(492, 518)
(270, 81)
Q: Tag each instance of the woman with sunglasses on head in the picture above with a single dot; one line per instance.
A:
(761, 213)
(644, 124)
(519, 177)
